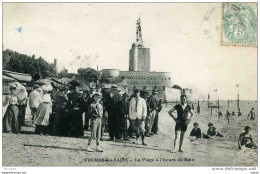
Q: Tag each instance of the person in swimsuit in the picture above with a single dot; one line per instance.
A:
(182, 120)
(245, 139)
(196, 131)
(239, 112)
(212, 132)
(251, 114)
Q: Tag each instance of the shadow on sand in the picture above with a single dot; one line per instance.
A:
(139, 146)
(54, 147)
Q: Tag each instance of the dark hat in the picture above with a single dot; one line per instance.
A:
(125, 95)
(195, 123)
(183, 95)
(36, 86)
(98, 94)
(114, 87)
(62, 88)
(136, 90)
(155, 91)
(144, 92)
(92, 88)
(210, 124)
(54, 85)
(13, 86)
(247, 128)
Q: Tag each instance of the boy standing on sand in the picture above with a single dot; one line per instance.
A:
(182, 121)
(95, 113)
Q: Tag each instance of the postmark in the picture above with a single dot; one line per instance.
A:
(239, 24)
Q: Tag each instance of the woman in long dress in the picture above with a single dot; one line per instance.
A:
(43, 113)
(10, 120)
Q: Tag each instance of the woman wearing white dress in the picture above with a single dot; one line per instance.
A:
(43, 113)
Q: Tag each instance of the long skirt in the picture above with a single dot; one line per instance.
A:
(76, 123)
(43, 114)
(10, 120)
(61, 124)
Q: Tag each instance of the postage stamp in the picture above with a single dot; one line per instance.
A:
(239, 24)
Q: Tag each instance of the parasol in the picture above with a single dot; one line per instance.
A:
(80, 84)
(20, 91)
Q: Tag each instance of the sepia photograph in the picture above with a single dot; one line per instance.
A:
(130, 84)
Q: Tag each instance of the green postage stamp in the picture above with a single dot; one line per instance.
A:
(239, 24)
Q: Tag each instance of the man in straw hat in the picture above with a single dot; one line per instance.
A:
(137, 115)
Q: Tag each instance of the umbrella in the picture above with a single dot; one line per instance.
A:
(80, 84)
(176, 87)
(20, 91)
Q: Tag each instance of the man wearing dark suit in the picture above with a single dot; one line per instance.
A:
(113, 107)
(152, 102)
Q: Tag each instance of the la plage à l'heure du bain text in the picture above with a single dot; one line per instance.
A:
(149, 160)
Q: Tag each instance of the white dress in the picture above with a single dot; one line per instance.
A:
(44, 110)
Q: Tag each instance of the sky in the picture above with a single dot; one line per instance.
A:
(184, 39)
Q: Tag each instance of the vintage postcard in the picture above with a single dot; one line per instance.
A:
(129, 84)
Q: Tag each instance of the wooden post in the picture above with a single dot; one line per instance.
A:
(218, 104)
(228, 104)
(238, 99)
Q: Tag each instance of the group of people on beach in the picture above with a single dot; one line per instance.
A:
(184, 116)
(59, 112)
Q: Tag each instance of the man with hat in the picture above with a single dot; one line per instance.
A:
(137, 115)
(113, 107)
(152, 104)
(75, 112)
(156, 119)
(35, 98)
(89, 98)
(61, 116)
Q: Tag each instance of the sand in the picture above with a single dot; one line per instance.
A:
(28, 149)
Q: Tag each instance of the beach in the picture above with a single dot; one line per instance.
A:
(28, 149)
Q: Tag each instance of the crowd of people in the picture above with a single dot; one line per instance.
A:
(66, 111)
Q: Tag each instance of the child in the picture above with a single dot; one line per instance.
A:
(95, 112)
(196, 132)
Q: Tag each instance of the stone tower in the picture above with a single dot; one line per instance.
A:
(139, 56)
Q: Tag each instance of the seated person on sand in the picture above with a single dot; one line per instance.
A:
(245, 139)
(212, 132)
(195, 132)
